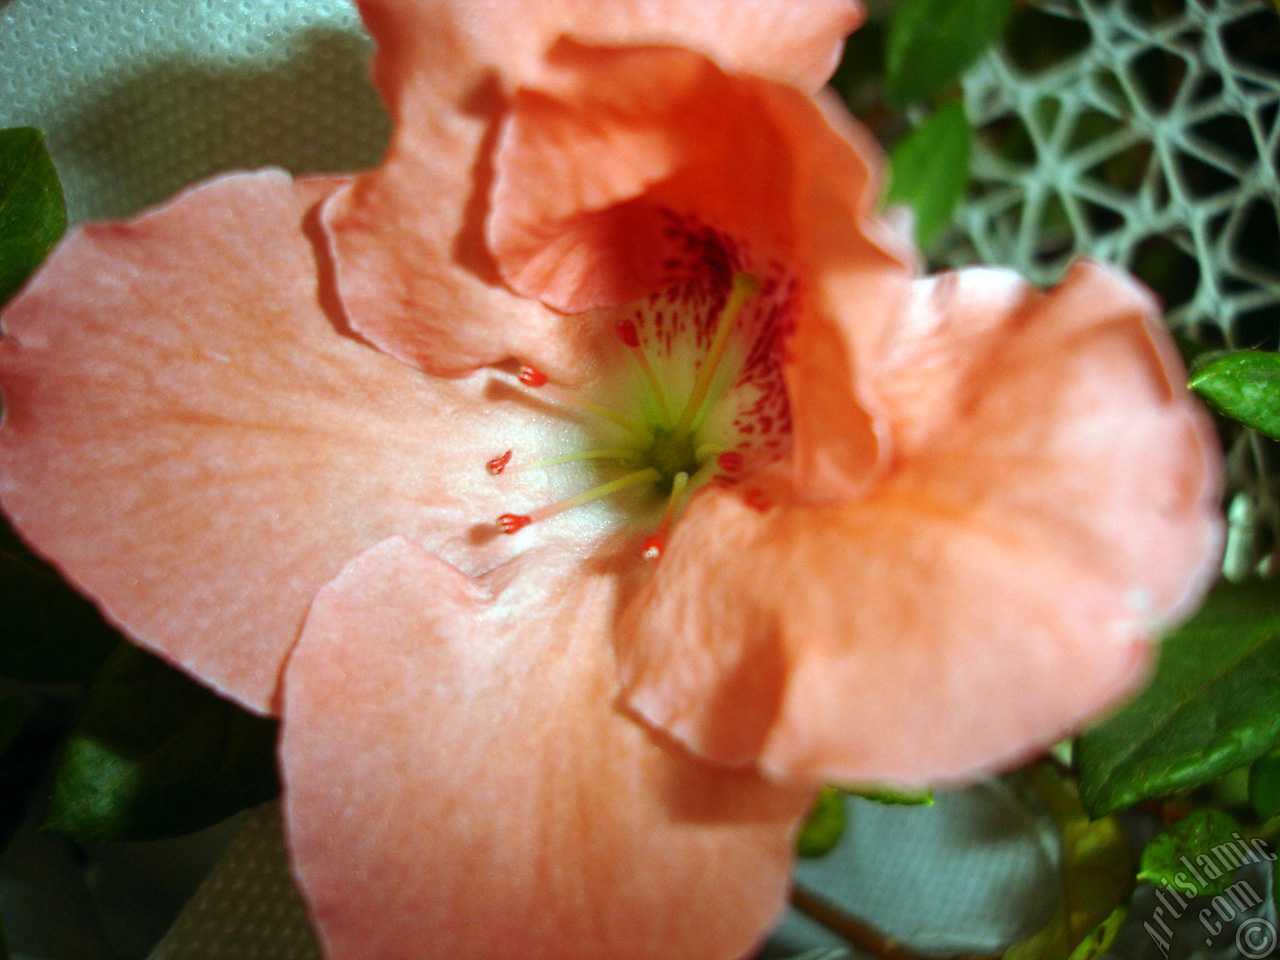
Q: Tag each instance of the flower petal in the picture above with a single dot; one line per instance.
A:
(461, 782)
(586, 166)
(443, 49)
(192, 440)
(1054, 500)
(861, 271)
(611, 140)
(408, 238)
(416, 280)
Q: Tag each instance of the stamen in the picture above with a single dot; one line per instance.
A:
(532, 376)
(604, 413)
(627, 334)
(511, 522)
(606, 453)
(744, 287)
(654, 544)
(498, 464)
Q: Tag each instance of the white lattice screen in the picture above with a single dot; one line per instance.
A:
(1143, 132)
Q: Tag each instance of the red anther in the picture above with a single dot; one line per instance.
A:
(652, 548)
(628, 334)
(730, 461)
(532, 376)
(511, 522)
(498, 464)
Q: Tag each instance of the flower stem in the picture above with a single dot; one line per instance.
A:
(858, 933)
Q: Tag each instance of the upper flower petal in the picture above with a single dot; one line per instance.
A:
(1053, 501)
(611, 141)
(192, 440)
(408, 237)
(461, 781)
(445, 49)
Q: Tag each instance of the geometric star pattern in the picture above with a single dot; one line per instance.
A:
(1143, 133)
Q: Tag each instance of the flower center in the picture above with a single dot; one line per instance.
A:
(672, 455)
(701, 398)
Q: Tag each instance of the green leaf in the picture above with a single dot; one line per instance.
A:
(51, 634)
(1264, 786)
(822, 830)
(932, 42)
(893, 796)
(1213, 705)
(860, 74)
(153, 754)
(1243, 385)
(1098, 941)
(1197, 855)
(1097, 877)
(930, 170)
(32, 213)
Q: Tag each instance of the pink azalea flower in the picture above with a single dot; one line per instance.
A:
(810, 516)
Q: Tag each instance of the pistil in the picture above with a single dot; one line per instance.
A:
(628, 334)
(655, 543)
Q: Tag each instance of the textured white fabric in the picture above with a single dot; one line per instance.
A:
(973, 872)
(139, 99)
(248, 908)
(970, 874)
